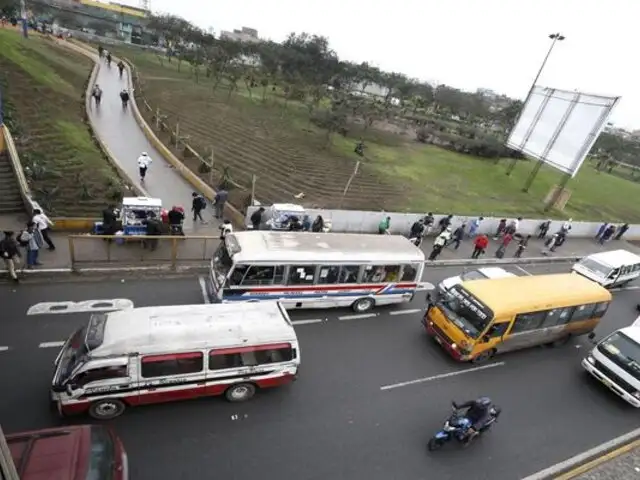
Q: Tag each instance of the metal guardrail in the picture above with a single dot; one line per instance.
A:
(142, 250)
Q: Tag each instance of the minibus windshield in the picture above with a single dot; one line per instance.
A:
(222, 262)
(72, 355)
(465, 311)
(592, 265)
(622, 351)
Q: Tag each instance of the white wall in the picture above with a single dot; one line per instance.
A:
(367, 222)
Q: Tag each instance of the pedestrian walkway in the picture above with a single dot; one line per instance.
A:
(118, 129)
(622, 463)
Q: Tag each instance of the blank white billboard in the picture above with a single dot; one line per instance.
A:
(560, 127)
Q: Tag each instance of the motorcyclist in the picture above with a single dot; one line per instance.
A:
(120, 67)
(478, 413)
(124, 96)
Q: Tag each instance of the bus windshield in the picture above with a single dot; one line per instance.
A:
(596, 267)
(465, 311)
(622, 351)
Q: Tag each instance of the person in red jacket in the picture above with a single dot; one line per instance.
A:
(480, 245)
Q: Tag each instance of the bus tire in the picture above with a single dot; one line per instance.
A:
(363, 305)
(107, 409)
(240, 392)
(484, 356)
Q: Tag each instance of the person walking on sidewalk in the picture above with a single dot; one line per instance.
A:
(144, 160)
(384, 225)
(96, 93)
(543, 229)
(219, 201)
(43, 224)
(480, 245)
(621, 231)
(198, 203)
(458, 236)
(444, 223)
(439, 243)
(506, 240)
(522, 245)
(10, 253)
(475, 225)
(32, 241)
(256, 218)
(601, 230)
(607, 234)
(502, 226)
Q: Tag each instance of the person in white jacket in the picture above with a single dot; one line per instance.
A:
(144, 161)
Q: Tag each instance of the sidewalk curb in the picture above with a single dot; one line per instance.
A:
(570, 465)
(205, 266)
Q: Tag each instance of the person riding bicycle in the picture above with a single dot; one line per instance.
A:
(120, 67)
(124, 96)
(478, 413)
(143, 164)
(109, 59)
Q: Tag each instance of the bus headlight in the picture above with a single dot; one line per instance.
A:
(454, 346)
(591, 360)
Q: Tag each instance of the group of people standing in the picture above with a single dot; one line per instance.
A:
(28, 241)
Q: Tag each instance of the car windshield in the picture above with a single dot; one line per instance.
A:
(622, 351)
(72, 356)
(465, 311)
(596, 267)
(102, 456)
(472, 275)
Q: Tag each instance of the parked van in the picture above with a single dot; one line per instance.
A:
(159, 354)
(609, 269)
(615, 362)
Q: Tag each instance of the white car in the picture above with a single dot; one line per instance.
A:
(479, 274)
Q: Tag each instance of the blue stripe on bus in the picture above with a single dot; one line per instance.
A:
(277, 296)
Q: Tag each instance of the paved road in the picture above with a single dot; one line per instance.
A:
(120, 131)
(335, 422)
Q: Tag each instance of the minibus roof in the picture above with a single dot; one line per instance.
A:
(513, 295)
(312, 248)
(184, 327)
(615, 258)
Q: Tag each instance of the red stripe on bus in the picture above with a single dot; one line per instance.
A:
(171, 356)
(257, 348)
(304, 288)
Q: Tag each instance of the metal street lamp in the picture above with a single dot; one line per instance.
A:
(556, 37)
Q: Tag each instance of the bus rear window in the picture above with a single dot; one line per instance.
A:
(102, 461)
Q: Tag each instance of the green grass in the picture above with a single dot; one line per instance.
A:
(432, 178)
(43, 86)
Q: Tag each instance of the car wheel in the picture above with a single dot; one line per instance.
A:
(107, 409)
(363, 305)
(240, 392)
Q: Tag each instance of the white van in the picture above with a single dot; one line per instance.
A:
(150, 355)
(615, 362)
(609, 269)
(479, 274)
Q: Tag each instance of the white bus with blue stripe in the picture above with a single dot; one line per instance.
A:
(316, 270)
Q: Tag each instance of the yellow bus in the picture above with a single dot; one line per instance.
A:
(477, 319)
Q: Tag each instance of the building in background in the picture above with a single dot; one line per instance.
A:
(246, 34)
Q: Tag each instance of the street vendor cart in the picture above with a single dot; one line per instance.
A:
(136, 210)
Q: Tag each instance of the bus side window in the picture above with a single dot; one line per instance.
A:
(167, 365)
(237, 275)
(409, 273)
(528, 321)
(329, 275)
(601, 309)
(349, 274)
(301, 274)
(497, 330)
(264, 275)
(583, 312)
(380, 273)
(557, 317)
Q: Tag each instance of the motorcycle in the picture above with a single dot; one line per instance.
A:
(457, 426)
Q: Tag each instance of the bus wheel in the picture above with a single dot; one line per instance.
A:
(106, 409)
(363, 305)
(483, 357)
(240, 392)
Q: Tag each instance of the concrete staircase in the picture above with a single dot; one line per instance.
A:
(10, 199)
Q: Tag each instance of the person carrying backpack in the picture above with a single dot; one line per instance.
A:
(198, 203)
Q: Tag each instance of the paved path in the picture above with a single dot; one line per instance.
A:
(119, 130)
(334, 422)
(624, 467)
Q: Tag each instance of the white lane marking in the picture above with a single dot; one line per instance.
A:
(441, 376)
(405, 312)
(307, 322)
(203, 289)
(620, 289)
(106, 305)
(4, 349)
(50, 344)
(355, 317)
(523, 270)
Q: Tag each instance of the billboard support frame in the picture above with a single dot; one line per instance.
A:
(554, 137)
